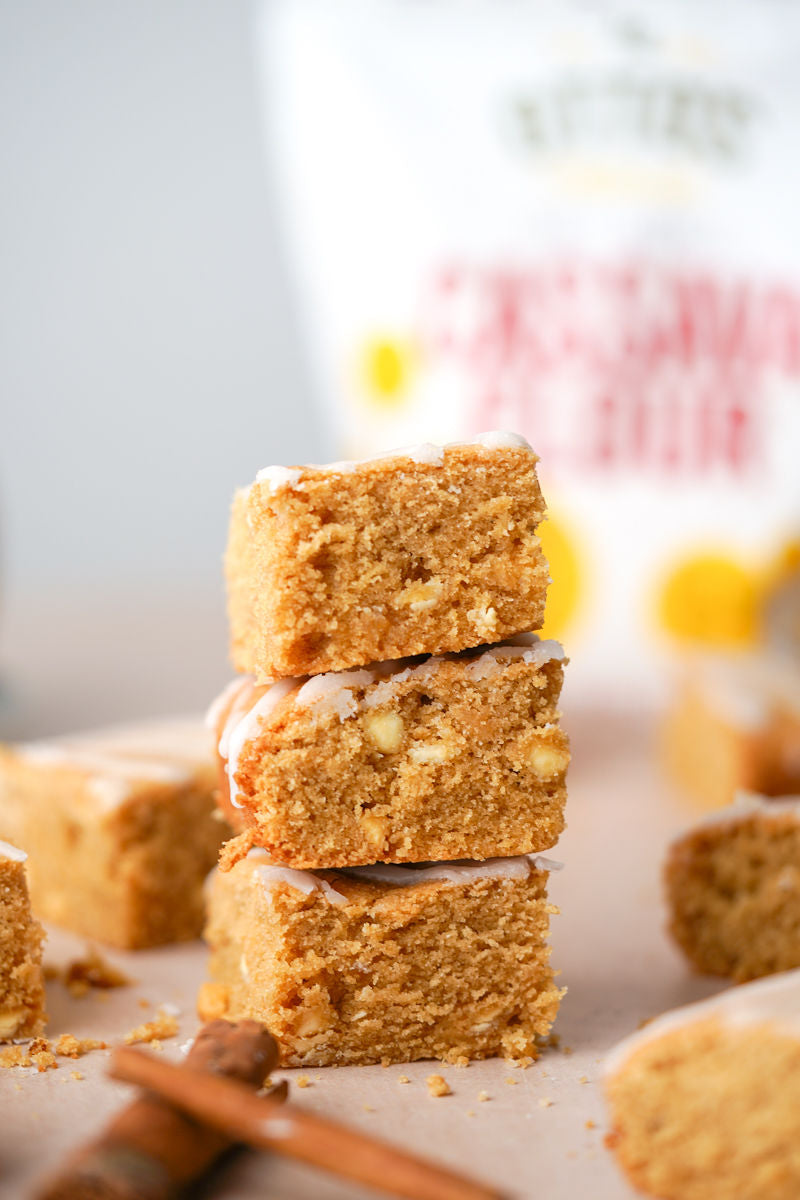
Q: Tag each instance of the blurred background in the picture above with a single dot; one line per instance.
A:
(150, 360)
(238, 233)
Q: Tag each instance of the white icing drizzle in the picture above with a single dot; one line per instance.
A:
(745, 689)
(746, 804)
(459, 873)
(12, 852)
(237, 733)
(500, 439)
(302, 881)
(100, 763)
(276, 478)
(116, 758)
(772, 1001)
(218, 706)
(279, 477)
(182, 739)
(334, 690)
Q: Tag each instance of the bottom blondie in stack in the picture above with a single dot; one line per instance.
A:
(386, 899)
(386, 963)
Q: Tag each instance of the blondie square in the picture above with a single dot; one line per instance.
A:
(425, 550)
(120, 828)
(733, 889)
(384, 963)
(735, 725)
(436, 758)
(705, 1100)
(22, 1013)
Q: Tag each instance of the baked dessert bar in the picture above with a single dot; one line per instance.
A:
(22, 1012)
(458, 756)
(424, 550)
(735, 724)
(733, 889)
(384, 963)
(120, 828)
(705, 1101)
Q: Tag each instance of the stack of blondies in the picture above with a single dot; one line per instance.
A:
(393, 761)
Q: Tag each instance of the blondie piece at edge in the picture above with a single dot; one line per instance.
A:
(425, 550)
(120, 828)
(22, 1012)
(732, 893)
(385, 963)
(705, 1100)
(448, 757)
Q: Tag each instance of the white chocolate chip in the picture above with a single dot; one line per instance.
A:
(431, 752)
(420, 597)
(11, 1021)
(484, 619)
(547, 761)
(312, 1020)
(385, 731)
(375, 828)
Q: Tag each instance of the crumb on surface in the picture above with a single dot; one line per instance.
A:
(461, 1061)
(583, 1079)
(512, 1082)
(37, 1054)
(470, 1112)
(41, 1053)
(164, 1025)
(591, 1124)
(545, 1102)
(303, 1081)
(567, 1050)
(524, 1063)
(92, 971)
(367, 1108)
(438, 1086)
(403, 1079)
(68, 1046)
(483, 1096)
(143, 1003)
(76, 1075)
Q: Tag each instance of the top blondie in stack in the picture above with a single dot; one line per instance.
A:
(398, 710)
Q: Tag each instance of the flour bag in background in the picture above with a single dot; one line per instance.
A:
(580, 222)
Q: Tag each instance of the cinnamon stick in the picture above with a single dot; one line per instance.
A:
(264, 1122)
(153, 1151)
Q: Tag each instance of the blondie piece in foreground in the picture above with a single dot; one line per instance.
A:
(443, 758)
(22, 1012)
(733, 889)
(384, 963)
(705, 1101)
(120, 828)
(424, 550)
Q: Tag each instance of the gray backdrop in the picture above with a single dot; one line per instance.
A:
(148, 354)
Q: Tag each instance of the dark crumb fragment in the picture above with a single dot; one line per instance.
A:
(91, 971)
